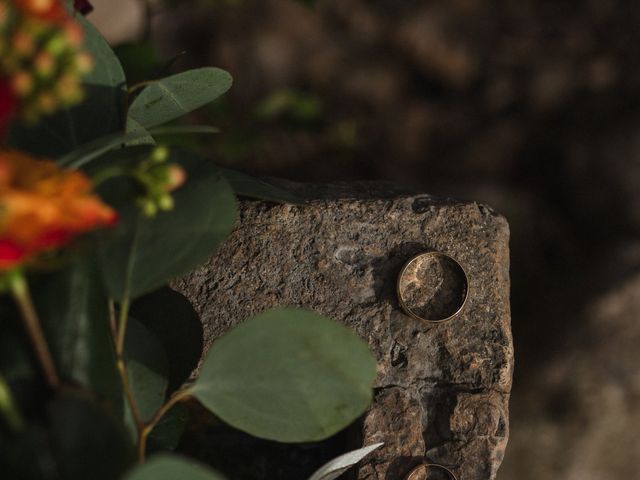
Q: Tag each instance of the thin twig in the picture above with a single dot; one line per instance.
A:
(134, 88)
(111, 305)
(122, 365)
(20, 291)
(128, 392)
(177, 397)
(122, 326)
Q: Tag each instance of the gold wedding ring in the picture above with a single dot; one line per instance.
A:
(424, 469)
(432, 287)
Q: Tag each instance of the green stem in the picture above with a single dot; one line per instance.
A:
(128, 393)
(112, 317)
(8, 407)
(122, 326)
(177, 397)
(134, 88)
(21, 295)
(123, 318)
(121, 331)
(109, 173)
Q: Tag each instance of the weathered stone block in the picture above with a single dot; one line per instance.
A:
(442, 389)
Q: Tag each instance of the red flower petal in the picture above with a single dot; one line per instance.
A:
(10, 254)
(8, 106)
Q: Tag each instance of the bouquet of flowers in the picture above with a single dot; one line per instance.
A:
(96, 218)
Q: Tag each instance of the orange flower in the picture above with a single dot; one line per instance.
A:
(43, 207)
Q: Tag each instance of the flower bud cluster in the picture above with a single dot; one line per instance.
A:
(158, 179)
(42, 61)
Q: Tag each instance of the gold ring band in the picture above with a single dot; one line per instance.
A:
(426, 466)
(404, 282)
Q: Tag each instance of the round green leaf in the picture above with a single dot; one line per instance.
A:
(88, 441)
(16, 360)
(72, 303)
(28, 455)
(172, 467)
(339, 465)
(140, 60)
(147, 368)
(167, 433)
(172, 97)
(247, 186)
(141, 254)
(288, 375)
(173, 320)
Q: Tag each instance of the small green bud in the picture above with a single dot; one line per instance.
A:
(160, 154)
(165, 202)
(149, 208)
(57, 44)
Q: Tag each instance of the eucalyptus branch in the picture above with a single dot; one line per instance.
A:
(128, 393)
(20, 291)
(176, 398)
(8, 407)
(112, 317)
(122, 326)
(122, 365)
(134, 88)
(108, 174)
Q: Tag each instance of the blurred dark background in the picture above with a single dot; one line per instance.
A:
(530, 106)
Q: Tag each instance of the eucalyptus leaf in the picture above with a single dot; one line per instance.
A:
(288, 375)
(172, 97)
(166, 435)
(134, 127)
(172, 319)
(98, 115)
(16, 362)
(141, 254)
(74, 314)
(147, 368)
(88, 441)
(139, 59)
(95, 149)
(336, 467)
(172, 467)
(28, 455)
(252, 187)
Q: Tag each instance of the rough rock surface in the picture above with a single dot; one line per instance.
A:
(442, 389)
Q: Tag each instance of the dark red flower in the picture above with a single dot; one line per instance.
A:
(83, 6)
(8, 106)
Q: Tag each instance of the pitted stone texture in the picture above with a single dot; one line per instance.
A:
(442, 390)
